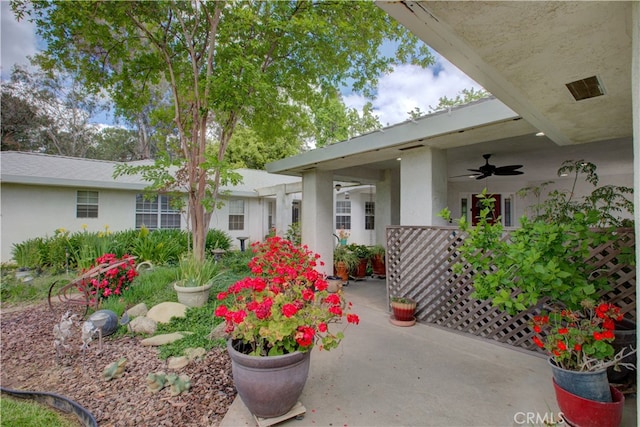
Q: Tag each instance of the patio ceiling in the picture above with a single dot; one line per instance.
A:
(524, 53)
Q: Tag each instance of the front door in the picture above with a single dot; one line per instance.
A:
(476, 206)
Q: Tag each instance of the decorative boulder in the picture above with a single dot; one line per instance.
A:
(138, 310)
(143, 325)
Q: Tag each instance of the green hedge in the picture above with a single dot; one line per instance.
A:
(65, 250)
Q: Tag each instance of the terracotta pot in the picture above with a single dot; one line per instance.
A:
(360, 271)
(269, 386)
(581, 412)
(342, 271)
(378, 266)
(404, 311)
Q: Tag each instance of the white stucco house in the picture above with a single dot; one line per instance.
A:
(566, 81)
(41, 193)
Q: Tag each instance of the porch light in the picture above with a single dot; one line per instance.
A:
(338, 187)
(540, 134)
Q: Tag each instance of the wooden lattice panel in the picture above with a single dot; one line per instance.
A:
(420, 266)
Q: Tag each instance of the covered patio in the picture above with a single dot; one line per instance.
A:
(384, 375)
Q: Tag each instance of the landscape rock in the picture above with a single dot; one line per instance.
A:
(219, 332)
(138, 310)
(194, 353)
(176, 363)
(163, 312)
(143, 325)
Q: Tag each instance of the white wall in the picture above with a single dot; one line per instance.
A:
(358, 197)
(512, 185)
(30, 211)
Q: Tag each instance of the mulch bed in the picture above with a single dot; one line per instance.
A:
(29, 362)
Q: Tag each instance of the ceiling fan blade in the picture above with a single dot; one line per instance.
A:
(466, 175)
(510, 167)
(475, 170)
(508, 172)
(483, 176)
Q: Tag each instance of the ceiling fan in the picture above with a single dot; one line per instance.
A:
(487, 170)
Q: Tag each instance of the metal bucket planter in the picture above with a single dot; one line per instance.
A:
(588, 385)
(269, 386)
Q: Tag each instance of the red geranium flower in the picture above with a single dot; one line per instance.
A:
(284, 305)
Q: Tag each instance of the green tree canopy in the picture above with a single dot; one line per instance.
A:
(265, 64)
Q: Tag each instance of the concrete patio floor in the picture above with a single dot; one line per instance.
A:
(384, 375)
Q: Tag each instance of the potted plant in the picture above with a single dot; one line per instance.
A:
(580, 349)
(363, 254)
(545, 263)
(378, 261)
(195, 279)
(274, 318)
(344, 260)
(403, 311)
(119, 275)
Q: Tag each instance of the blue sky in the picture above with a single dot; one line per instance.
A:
(399, 92)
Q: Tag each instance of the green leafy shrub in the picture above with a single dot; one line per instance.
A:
(217, 239)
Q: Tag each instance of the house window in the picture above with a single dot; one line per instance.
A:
(369, 215)
(295, 211)
(156, 212)
(343, 214)
(270, 219)
(87, 204)
(236, 214)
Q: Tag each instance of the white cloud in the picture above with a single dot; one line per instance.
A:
(409, 86)
(18, 40)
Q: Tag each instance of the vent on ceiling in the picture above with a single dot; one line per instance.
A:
(586, 88)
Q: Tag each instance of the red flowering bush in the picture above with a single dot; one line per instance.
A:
(112, 276)
(579, 340)
(284, 306)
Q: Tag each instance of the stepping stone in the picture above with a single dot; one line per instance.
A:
(176, 363)
(163, 339)
(163, 312)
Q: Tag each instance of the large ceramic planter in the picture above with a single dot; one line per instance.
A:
(581, 412)
(588, 385)
(269, 386)
(625, 338)
(192, 296)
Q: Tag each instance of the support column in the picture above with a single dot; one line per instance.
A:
(283, 206)
(635, 106)
(317, 216)
(423, 176)
(387, 204)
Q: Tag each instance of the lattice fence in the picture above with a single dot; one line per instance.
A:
(420, 265)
